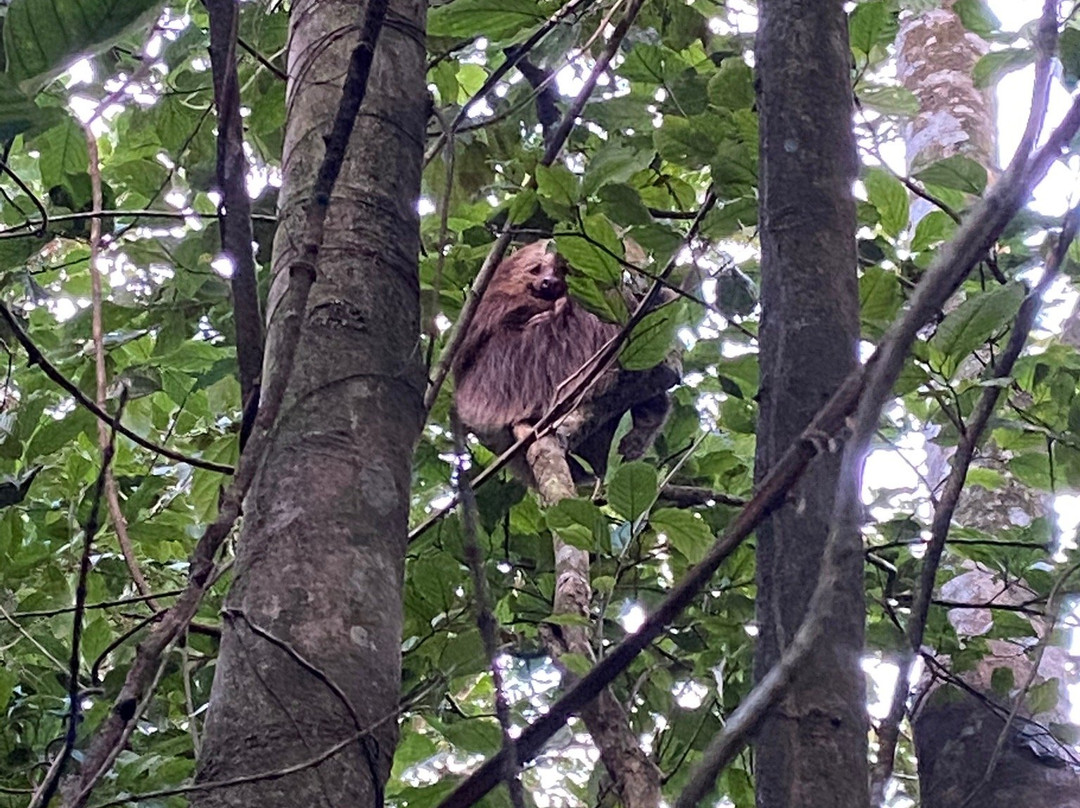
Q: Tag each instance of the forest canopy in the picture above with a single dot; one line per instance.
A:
(130, 370)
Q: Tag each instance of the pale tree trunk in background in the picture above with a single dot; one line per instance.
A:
(312, 629)
(811, 750)
(956, 731)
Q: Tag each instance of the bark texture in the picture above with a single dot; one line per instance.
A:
(811, 750)
(311, 645)
(935, 57)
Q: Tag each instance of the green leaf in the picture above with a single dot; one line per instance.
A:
(732, 86)
(43, 37)
(871, 24)
(632, 489)
(1044, 697)
(689, 142)
(477, 735)
(977, 17)
(974, 321)
(890, 197)
(595, 256)
(523, 206)
(889, 100)
(622, 204)
(933, 228)
(686, 531)
(880, 297)
(958, 172)
(1069, 52)
(1001, 682)
(613, 164)
(475, 18)
(578, 522)
(578, 664)
(63, 152)
(651, 340)
(991, 67)
(558, 184)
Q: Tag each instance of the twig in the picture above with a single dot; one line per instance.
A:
(105, 437)
(104, 604)
(36, 357)
(258, 57)
(485, 618)
(48, 788)
(176, 215)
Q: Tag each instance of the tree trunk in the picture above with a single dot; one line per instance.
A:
(811, 750)
(310, 652)
(635, 777)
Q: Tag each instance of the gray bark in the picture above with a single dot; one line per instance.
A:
(311, 644)
(811, 750)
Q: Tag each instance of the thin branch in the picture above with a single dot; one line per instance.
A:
(258, 57)
(36, 357)
(105, 436)
(485, 618)
(48, 788)
(44, 223)
(234, 210)
(175, 215)
(103, 604)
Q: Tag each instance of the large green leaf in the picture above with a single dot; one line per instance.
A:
(632, 489)
(43, 37)
(974, 321)
(473, 18)
(890, 197)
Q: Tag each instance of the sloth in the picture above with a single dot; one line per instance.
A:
(529, 336)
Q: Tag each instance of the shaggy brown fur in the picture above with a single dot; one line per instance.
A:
(528, 336)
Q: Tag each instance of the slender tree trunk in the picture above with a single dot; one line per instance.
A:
(635, 777)
(312, 632)
(811, 751)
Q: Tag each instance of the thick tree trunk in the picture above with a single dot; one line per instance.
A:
(811, 750)
(311, 646)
